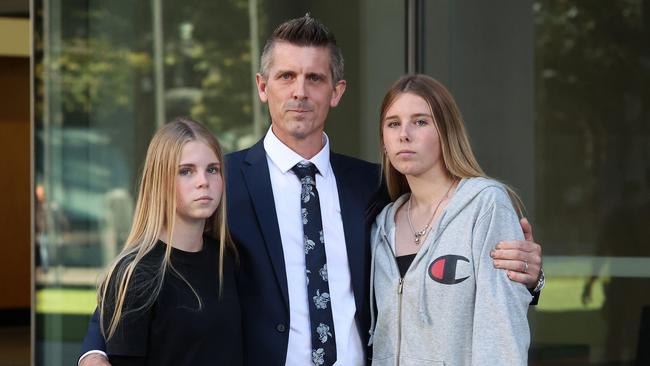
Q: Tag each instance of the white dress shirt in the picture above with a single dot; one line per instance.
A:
(286, 194)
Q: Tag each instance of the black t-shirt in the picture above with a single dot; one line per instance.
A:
(404, 262)
(173, 330)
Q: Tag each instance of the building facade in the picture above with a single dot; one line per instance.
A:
(554, 94)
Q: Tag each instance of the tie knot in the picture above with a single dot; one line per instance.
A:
(305, 169)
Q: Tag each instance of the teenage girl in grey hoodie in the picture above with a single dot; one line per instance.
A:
(439, 299)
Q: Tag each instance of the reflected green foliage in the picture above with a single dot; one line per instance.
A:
(208, 63)
(103, 62)
(591, 75)
(93, 71)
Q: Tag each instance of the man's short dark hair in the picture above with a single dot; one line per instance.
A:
(305, 31)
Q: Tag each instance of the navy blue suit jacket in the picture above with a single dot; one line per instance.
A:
(262, 278)
(254, 227)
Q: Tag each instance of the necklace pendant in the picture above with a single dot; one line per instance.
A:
(418, 235)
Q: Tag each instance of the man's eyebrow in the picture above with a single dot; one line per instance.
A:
(320, 74)
(282, 72)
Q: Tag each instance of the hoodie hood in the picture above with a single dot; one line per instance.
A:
(466, 191)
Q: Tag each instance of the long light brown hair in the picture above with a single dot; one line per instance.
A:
(154, 212)
(457, 155)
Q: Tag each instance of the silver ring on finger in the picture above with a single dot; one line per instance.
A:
(525, 266)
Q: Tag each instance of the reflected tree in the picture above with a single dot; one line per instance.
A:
(592, 71)
(593, 148)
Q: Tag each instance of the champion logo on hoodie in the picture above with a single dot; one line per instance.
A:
(443, 269)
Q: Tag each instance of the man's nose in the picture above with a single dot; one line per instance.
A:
(300, 91)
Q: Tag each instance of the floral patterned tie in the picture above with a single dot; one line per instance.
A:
(320, 307)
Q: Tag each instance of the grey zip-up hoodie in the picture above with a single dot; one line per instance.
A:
(452, 307)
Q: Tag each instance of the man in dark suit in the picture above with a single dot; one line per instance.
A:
(301, 78)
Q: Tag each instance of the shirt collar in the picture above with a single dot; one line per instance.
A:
(285, 158)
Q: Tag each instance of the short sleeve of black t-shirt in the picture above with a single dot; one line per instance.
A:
(177, 329)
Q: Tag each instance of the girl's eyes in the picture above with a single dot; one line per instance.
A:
(419, 122)
(189, 171)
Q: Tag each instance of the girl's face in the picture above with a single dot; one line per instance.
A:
(411, 138)
(199, 184)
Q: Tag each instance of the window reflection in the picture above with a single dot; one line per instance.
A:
(96, 88)
(96, 85)
(106, 74)
(593, 153)
(555, 96)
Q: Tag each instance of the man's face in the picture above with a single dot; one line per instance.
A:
(299, 91)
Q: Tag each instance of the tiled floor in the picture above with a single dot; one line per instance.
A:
(14, 346)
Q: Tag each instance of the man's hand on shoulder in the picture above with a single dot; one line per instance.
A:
(94, 359)
(521, 258)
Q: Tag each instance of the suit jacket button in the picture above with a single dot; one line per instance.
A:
(280, 328)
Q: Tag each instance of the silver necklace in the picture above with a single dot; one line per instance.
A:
(418, 235)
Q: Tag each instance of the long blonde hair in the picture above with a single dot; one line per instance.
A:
(155, 210)
(457, 153)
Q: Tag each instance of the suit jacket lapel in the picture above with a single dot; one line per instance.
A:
(352, 215)
(258, 180)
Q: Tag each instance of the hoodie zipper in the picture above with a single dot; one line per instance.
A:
(400, 287)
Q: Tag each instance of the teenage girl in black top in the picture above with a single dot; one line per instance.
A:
(169, 298)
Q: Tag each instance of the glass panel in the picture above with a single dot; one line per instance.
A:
(555, 97)
(108, 73)
(593, 157)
